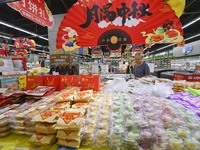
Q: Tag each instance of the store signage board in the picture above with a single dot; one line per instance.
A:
(114, 23)
(34, 10)
(187, 49)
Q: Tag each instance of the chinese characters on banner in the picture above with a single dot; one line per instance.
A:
(123, 13)
(119, 22)
(35, 10)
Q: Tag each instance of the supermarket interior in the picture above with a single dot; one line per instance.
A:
(99, 74)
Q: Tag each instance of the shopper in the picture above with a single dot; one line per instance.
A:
(141, 69)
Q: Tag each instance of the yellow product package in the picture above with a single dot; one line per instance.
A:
(42, 139)
(67, 134)
(46, 128)
(5, 128)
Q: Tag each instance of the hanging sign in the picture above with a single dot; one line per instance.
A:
(113, 23)
(34, 10)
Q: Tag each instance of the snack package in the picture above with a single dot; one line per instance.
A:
(49, 116)
(66, 134)
(4, 129)
(84, 96)
(45, 128)
(4, 121)
(81, 105)
(72, 119)
(40, 91)
(69, 143)
(62, 105)
(42, 139)
(66, 96)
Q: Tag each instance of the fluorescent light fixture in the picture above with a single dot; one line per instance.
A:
(192, 22)
(192, 37)
(39, 45)
(5, 24)
(43, 38)
(22, 30)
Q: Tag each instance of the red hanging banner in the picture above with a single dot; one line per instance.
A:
(113, 23)
(34, 10)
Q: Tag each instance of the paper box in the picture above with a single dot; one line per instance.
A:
(90, 82)
(33, 82)
(68, 81)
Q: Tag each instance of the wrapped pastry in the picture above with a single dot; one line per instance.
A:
(45, 128)
(67, 134)
(42, 139)
(49, 116)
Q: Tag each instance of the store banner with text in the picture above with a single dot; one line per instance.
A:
(34, 10)
(114, 23)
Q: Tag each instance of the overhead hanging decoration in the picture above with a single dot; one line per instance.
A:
(34, 10)
(113, 23)
(22, 44)
(25, 43)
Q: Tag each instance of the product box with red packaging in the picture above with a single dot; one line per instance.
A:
(52, 81)
(68, 81)
(33, 82)
(90, 82)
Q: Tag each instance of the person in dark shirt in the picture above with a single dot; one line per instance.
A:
(141, 69)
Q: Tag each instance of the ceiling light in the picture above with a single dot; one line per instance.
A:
(192, 22)
(22, 30)
(43, 38)
(192, 37)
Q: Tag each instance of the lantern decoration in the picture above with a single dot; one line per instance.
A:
(114, 23)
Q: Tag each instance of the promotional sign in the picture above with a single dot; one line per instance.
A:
(34, 10)
(113, 23)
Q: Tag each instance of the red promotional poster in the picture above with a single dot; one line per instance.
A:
(113, 23)
(35, 10)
